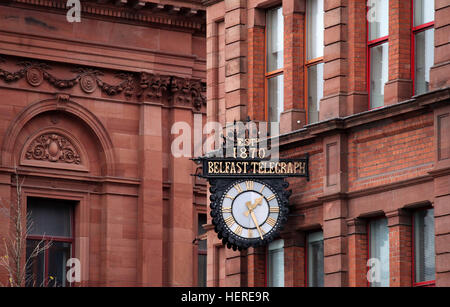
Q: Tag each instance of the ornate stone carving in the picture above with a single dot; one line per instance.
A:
(54, 148)
(179, 91)
(88, 83)
(188, 91)
(35, 76)
(153, 85)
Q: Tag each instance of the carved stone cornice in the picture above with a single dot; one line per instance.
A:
(153, 86)
(177, 91)
(188, 14)
(188, 92)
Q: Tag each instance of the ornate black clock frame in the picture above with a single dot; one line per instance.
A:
(224, 173)
(218, 188)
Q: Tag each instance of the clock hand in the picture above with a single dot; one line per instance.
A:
(251, 207)
(256, 224)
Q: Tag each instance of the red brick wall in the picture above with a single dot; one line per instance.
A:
(361, 165)
(390, 151)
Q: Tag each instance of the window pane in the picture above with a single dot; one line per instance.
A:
(378, 17)
(424, 60)
(35, 269)
(315, 28)
(200, 222)
(423, 12)
(424, 252)
(379, 249)
(275, 94)
(315, 91)
(202, 270)
(379, 66)
(58, 254)
(276, 264)
(315, 259)
(49, 217)
(274, 39)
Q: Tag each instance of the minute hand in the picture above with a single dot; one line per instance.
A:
(256, 224)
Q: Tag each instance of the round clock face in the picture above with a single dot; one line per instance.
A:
(250, 210)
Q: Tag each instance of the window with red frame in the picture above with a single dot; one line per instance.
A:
(274, 64)
(423, 44)
(423, 248)
(378, 50)
(50, 222)
(314, 57)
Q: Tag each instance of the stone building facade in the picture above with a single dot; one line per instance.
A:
(365, 92)
(86, 114)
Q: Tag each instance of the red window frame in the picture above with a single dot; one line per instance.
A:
(370, 45)
(307, 64)
(270, 74)
(48, 239)
(429, 283)
(415, 30)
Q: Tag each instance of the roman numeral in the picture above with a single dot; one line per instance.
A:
(226, 210)
(274, 210)
(229, 221)
(262, 189)
(249, 185)
(238, 230)
(271, 221)
(250, 233)
(271, 197)
(230, 197)
(238, 188)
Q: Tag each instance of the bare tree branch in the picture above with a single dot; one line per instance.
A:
(13, 260)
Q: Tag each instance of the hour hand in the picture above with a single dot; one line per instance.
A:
(251, 206)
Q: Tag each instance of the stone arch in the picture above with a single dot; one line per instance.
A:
(66, 106)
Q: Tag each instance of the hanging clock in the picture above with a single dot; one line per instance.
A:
(248, 212)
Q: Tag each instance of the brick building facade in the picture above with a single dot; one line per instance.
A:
(86, 114)
(87, 111)
(365, 92)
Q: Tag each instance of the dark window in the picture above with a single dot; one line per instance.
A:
(51, 223)
(202, 251)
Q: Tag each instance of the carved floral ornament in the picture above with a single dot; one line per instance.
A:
(53, 147)
(144, 85)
